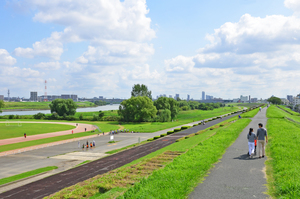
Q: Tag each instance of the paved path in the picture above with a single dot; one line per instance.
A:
(236, 175)
(77, 129)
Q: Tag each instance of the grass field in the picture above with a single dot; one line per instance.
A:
(176, 180)
(39, 105)
(184, 117)
(30, 129)
(283, 150)
(26, 174)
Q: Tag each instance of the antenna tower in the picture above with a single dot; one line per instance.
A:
(8, 94)
(45, 96)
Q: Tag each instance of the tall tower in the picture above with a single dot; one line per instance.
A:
(45, 96)
(8, 95)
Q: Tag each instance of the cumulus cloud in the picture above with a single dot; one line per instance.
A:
(293, 4)
(252, 54)
(49, 47)
(48, 65)
(6, 59)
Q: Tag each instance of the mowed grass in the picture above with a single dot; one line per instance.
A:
(26, 174)
(250, 114)
(175, 180)
(184, 117)
(283, 164)
(274, 112)
(179, 178)
(39, 105)
(14, 130)
(20, 145)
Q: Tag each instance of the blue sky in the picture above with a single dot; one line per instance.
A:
(102, 48)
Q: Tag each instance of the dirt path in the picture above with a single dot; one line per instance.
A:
(77, 129)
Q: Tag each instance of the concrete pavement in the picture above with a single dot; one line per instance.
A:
(236, 175)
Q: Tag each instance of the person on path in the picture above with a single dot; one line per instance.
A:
(251, 137)
(94, 143)
(24, 135)
(240, 117)
(82, 146)
(72, 131)
(78, 144)
(259, 108)
(91, 145)
(261, 134)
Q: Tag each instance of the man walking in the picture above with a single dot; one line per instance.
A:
(261, 134)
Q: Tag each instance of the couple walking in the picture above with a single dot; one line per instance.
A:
(261, 137)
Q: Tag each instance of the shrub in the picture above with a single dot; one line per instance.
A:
(11, 117)
(178, 140)
(170, 132)
(81, 117)
(221, 125)
(156, 137)
(150, 139)
(178, 129)
(195, 125)
(39, 116)
(184, 127)
(163, 135)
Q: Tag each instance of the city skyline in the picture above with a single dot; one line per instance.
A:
(105, 47)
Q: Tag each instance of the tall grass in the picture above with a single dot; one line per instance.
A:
(284, 163)
(179, 178)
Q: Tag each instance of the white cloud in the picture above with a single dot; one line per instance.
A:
(50, 47)
(6, 59)
(253, 55)
(48, 65)
(293, 4)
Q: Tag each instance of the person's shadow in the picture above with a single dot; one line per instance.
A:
(245, 157)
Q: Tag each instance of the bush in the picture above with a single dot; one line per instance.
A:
(170, 132)
(178, 129)
(185, 108)
(178, 140)
(81, 117)
(156, 137)
(221, 125)
(185, 127)
(39, 116)
(11, 117)
(163, 135)
(150, 139)
(70, 118)
(195, 125)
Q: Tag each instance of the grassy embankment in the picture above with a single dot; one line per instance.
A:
(283, 150)
(26, 175)
(174, 180)
(184, 117)
(14, 130)
(39, 105)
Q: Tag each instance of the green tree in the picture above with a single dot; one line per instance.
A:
(140, 90)
(164, 115)
(137, 109)
(63, 107)
(167, 103)
(274, 100)
(1, 105)
(101, 114)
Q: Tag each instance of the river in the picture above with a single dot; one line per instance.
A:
(88, 109)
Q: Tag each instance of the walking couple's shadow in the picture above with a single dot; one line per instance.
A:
(245, 157)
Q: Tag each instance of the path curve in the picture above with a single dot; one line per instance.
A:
(78, 129)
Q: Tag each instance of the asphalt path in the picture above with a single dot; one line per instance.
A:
(236, 175)
(75, 175)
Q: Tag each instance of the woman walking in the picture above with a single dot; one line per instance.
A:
(251, 137)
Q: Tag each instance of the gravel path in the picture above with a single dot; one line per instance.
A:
(236, 175)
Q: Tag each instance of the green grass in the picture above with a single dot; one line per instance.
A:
(179, 178)
(248, 105)
(20, 145)
(289, 110)
(30, 129)
(84, 162)
(283, 164)
(39, 105)
(250, 114)
(91, 114)
(184, 117)
(26, 174)
(274, 112)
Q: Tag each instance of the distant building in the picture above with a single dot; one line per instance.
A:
(285, 101)
(34, 96)
(253, 100)
(176, 96)
(203, 95)
(101, 97)
(170, 96)
(164, 95)
(290, 98)
(209, 97)
(236, 100)
(1, 97)
(244, 99)
(188, 98)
